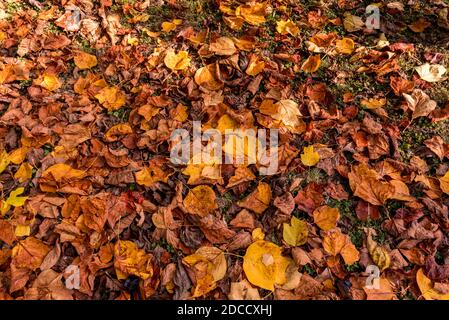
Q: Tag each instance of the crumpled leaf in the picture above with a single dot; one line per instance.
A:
(112, 98)
(353, 23)
(207, 77)
(24, 172)
(209, 266)
(4, 160)
(335, 242)
(130, 260)
(428, 288)
(287, 27)
(444, 183)
(243, 291)
(255, 65)
(295, 233)
(365, 183)
(431, 73)
(264, 265)
(378, 253)
(49, 81)
(253, 13)
(117, 131)
(420, 103)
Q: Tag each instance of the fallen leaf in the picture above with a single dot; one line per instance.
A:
(420, 103)
(335, 242)
(428, 288)
(223, 46)
(264, 265)
(85, 60)
(309, 157)
(431, 73)
(130, 260)
(112, 98)
(326, 217)
(287, 27)
(177, 61)
(243, 291)
(259, 200)
(295, 233)
(201, 201)
(345, 46)
(312, 64)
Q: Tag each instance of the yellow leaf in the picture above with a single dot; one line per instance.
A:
(150, 175)
(444, 183)
(379, 254)
(287, 27)
(4, 161)
(225, 123)
(288, 113)
(326, 217)
(252, 13)
(258, 234)
(207, 77)
(295, 233)
(18, 156)
(49, 82)
(200, 171)
(169, 26)
(264, 265)
(117, 131)
(177, 61)
(312, 64)
(14, 200)
(372, 103)
(309, 157)
(24, 172)
(181, 114)
(427, 287)
(111, 98)
(130, 260)
(84, 60)
(201, 201)
(345, 46)
(22, 231)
